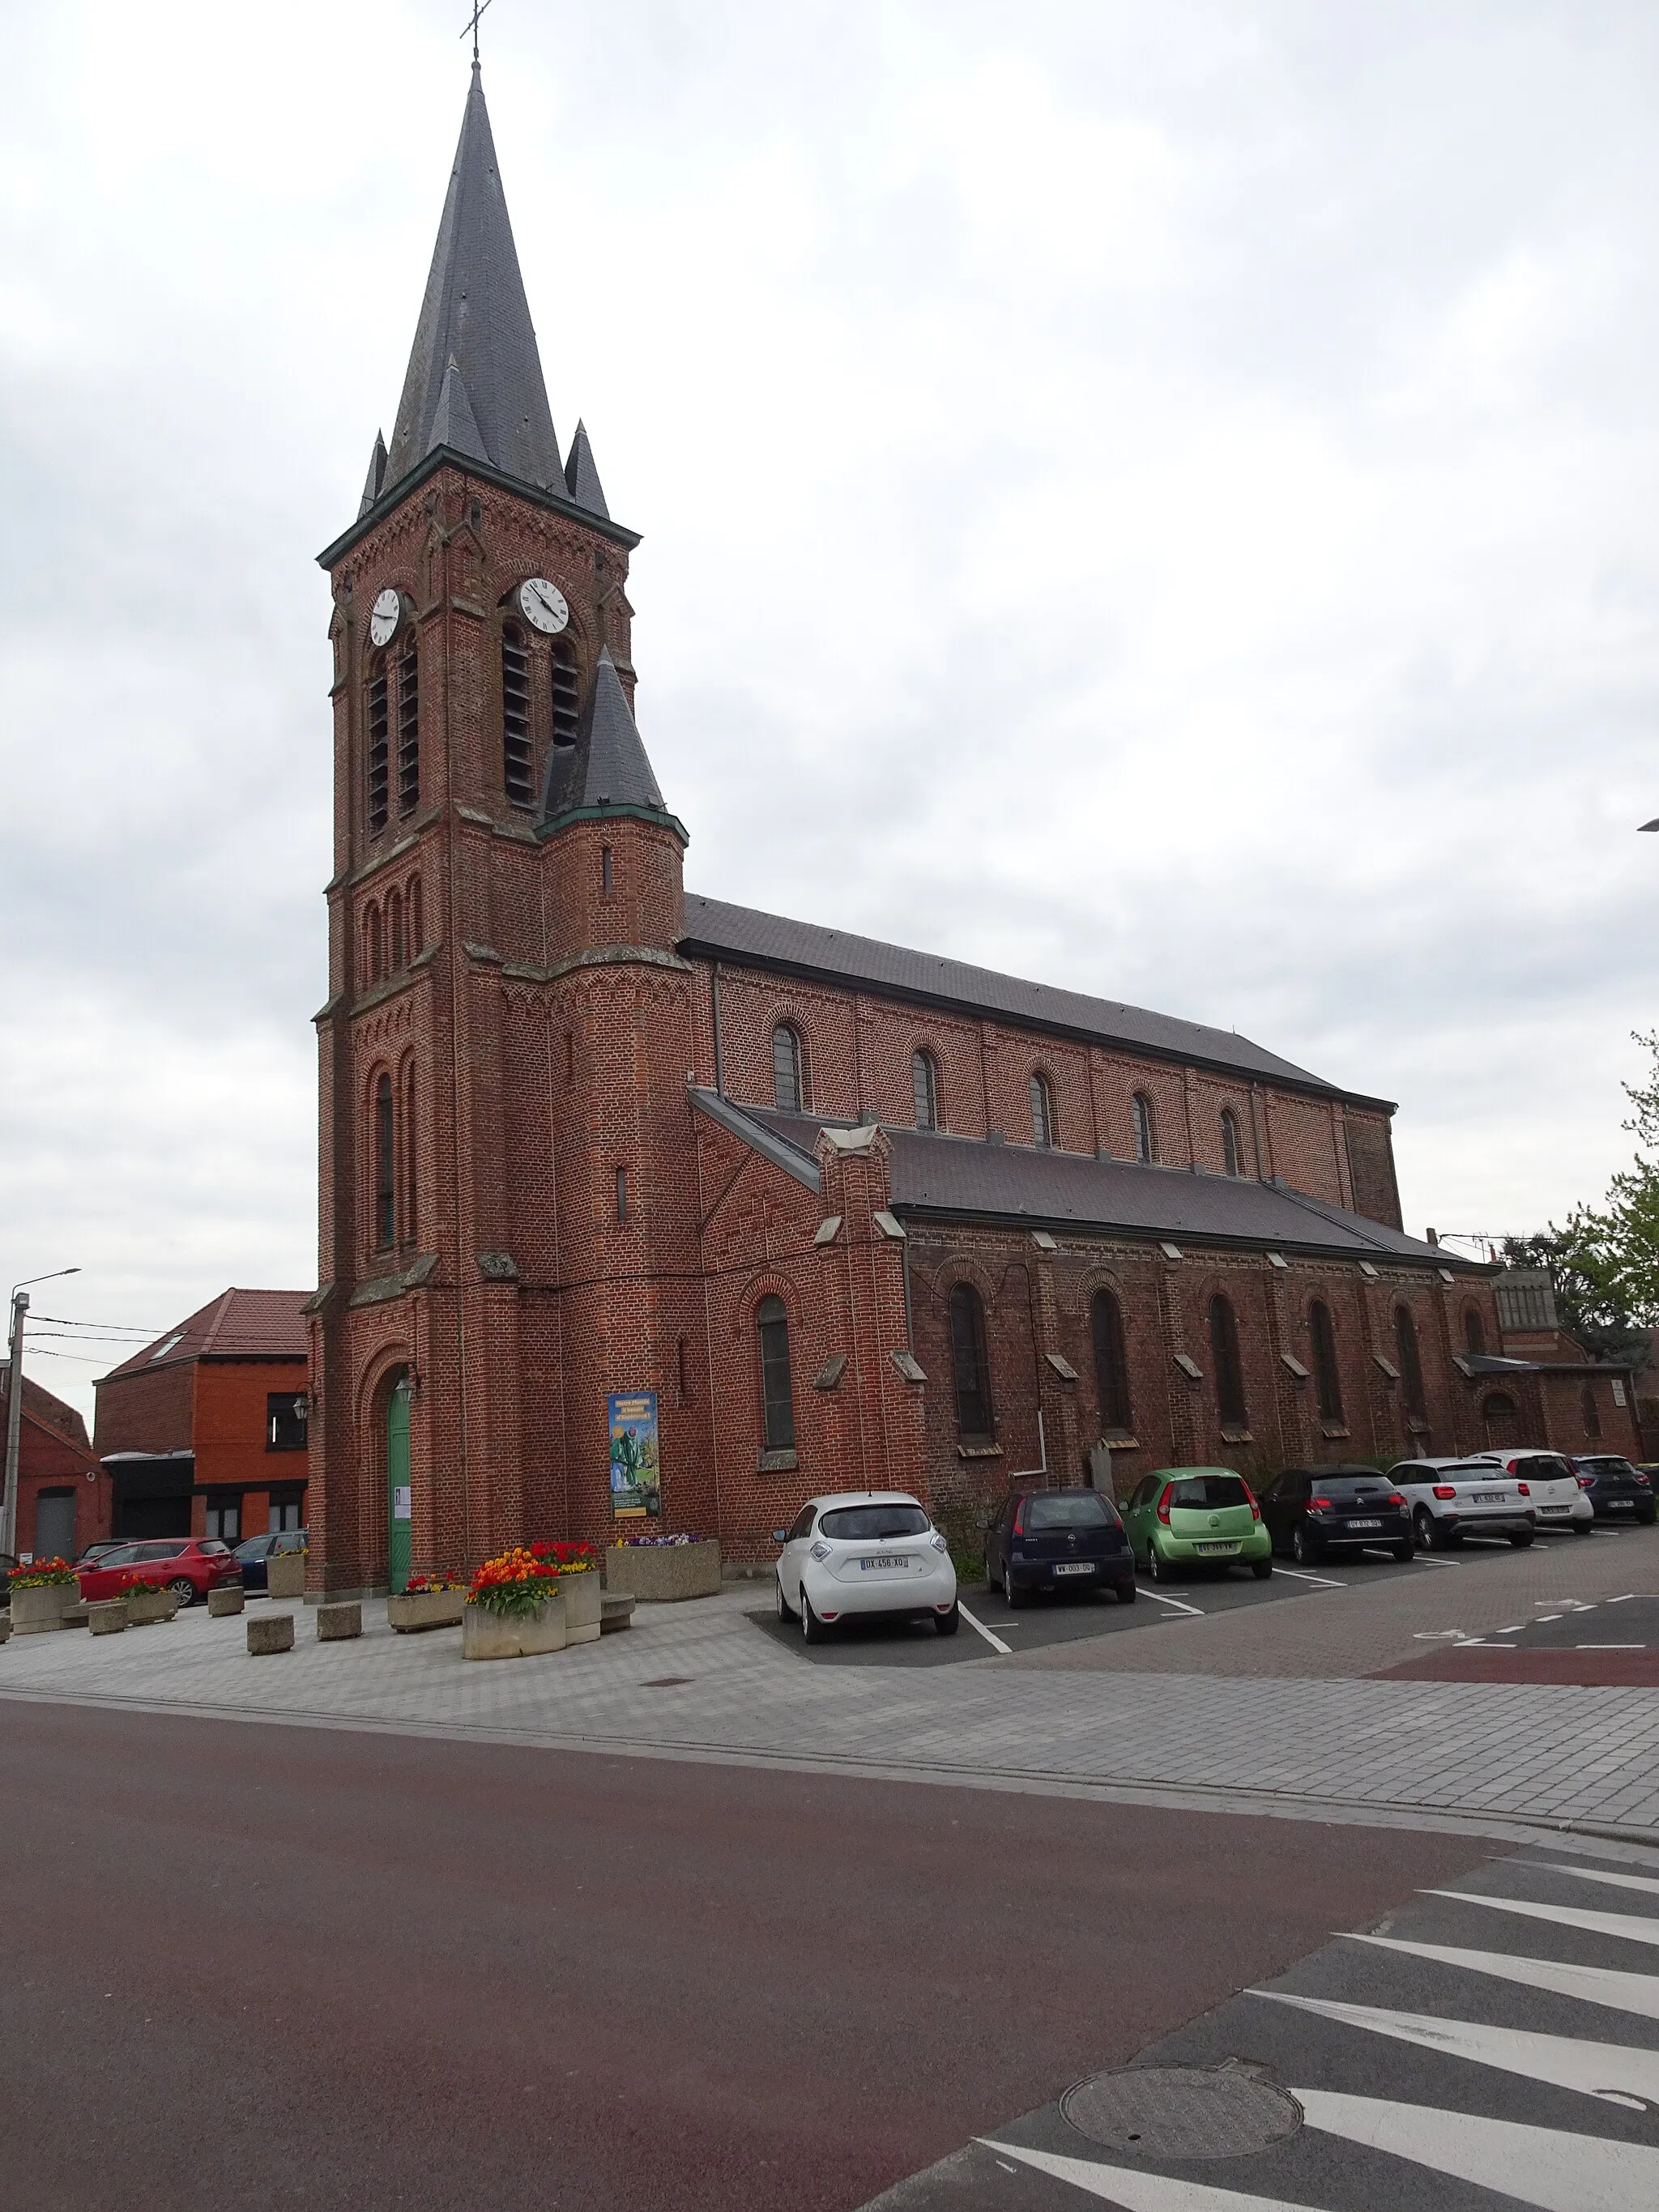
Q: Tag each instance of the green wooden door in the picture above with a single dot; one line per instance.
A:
(396, 1479)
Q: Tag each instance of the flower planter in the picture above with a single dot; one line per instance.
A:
(487, 1635)
(584, 1600)
(146, 1605)
(662, 1574)
(285, 1575)
(108, 1617)
(34, 1611)
(414, 1610)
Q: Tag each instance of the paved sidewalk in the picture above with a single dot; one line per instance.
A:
(699, 1680)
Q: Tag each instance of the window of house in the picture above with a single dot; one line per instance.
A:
(777, 1385)
(565, 697)
(224, 1516)
(786, 1086)
(409, 727)
(385, 1186)
(1588, 1412)
(1409, 1361)
(1328, 1376)
(286, 1511)
(1229, 1365)
(970, 1370)
(1146, 1131)
(518, 770)
(1233, 1157)
(1111, 1365)
(377, 758)
(924, 1084)
(287, 1415)
(1042, 1112)
(1475, 1333)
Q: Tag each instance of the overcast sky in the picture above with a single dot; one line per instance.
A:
(1153, 496)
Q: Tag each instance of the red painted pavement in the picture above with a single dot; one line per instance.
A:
(1590, 1670)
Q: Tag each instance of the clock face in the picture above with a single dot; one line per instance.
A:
(543, 605)
(388, 612)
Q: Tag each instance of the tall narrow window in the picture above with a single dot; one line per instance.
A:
(1111, 1365)
(1475, 1333)
(1588, 1412)
(786, 1087)
(377, 749)
(621, 1194)
(374, 947)
(777, 1387)
(409, 727)
(517, 772)
(607, 871)
(394, 930)
(565, 694)
(416, 919)
(924, 1084)
(386, 1176)
(1411, 1366)
(1328, 1376)
(1229, 1366)
(1232, 1157)
(1042, 1112)
(969, 1368)
(411, 1199)
(1140, 1113)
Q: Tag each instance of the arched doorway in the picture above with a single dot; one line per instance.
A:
(399, 1516)
(1503, 1421)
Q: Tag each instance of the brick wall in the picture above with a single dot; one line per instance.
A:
(147, 1411)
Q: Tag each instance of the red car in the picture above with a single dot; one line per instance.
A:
(188, 1566)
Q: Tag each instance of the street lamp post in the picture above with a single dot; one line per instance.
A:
(20, 1306)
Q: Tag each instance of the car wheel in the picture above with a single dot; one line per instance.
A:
(1156, 1564)
(1305, 1544)
(947, 1624)
(1428, 1538)
(1126, 1593)
(1405, 1552)
(1013, 1597)
(1647, 1520)
(1262, 1568)
(1522, 1542)
(811, 1627)
(184, 1589)
(784, 1612)
(1583, 1527)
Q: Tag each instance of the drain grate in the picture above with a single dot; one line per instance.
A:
(1182, 2112)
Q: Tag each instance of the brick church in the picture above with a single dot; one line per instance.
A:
(641, 1209)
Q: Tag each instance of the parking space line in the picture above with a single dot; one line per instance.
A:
(1422, 1559)
(995, 1642)
(1197, 1610)
(1325, 1582)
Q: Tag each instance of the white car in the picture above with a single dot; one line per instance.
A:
(864, 1552)
(1451, 1498)
(1557, 1497)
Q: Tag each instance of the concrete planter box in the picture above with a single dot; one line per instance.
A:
(486, 1635)
(269, 1632)
(616, 1610)
(661, 1574)
(285, 1575)
(5, 1627)
(108, 1617)
(34, 1611)
(584, 1599)
(339, 1623)
(228, 1598)
(419, 1609)
(146, 1606)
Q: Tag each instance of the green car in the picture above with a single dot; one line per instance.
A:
(1183, 1517)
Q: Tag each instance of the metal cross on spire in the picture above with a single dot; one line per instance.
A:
(478, 7)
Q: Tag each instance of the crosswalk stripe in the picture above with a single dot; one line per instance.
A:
(1602, 1874)
(1607, 2071)
(1602, 1986)
(1549, 2168)
(1630, 1927)
(1140, 2193)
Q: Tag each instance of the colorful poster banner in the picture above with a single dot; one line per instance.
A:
(636, 1472)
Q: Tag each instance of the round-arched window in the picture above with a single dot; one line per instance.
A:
(789, 1090)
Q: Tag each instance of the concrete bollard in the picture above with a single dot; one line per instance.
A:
(271, 1631)
(108, 1618)
(335, 1622)
(228, 1598)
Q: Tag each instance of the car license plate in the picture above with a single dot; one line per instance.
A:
(1216, 1547)
(1555, 1509)
(1488, 1497)
(881, 1561)
(1075, 1567)
(1365, 1524)
(1621, 1505)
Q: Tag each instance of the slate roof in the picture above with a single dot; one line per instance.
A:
(582, 477)
(475, 377)
(236, 1325)
(607, 767)
(715, 930)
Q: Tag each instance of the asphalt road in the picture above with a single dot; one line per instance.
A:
(270, 1966)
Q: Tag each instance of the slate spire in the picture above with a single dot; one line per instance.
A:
(582, 477)
(376, 476)
(607, 767)
(475, 377)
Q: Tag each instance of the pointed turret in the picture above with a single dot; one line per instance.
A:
(475, 331)
(582, 477)
(376, 477)
(607, 770)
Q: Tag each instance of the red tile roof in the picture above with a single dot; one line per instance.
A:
(236, 1325)
(49, 1412)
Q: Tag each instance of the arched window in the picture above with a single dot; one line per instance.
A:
(1140, 1113)
(517, 767)
(1232, 1157)
(777, 1387)
(1590, 1412)
(1229, 1366)
(408, 727)
(1042, 1112)
(970, 1370)
(566, 692)
(1475, 1333)
(924, 1085)
(1111, 1365)
(374, 947)
(1328, 1376)
(385, 1167)
(377, 758)
(1411, 1366)
(416, 919)
(412, 1205)
(394, 931)
(788, 1092)
(1503, 1424)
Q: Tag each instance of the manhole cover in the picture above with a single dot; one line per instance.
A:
(1182, 2112)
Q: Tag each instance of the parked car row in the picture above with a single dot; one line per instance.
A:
(189, 1566)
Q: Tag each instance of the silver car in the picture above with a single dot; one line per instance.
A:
(1451, 1498)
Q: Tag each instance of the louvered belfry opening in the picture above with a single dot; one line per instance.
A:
(408, 729)
(377, 739)
(518, 770)
(566, 693)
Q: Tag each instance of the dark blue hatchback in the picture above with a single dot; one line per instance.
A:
(1057, 1540)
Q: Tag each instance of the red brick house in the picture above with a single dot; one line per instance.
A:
(62, 1494)
(845, 1213)
(205, 1431)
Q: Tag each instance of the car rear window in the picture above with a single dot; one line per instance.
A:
(1072, 1509)
(211, 1544)
(872, 1524)
(1209, 1490)
(1605, 1465)
(1545, 1467)
(1341, 1486)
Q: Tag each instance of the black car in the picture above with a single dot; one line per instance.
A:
(1616, 1490)
(253, 1555)
(1058, 1539)
(1312, 1511)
